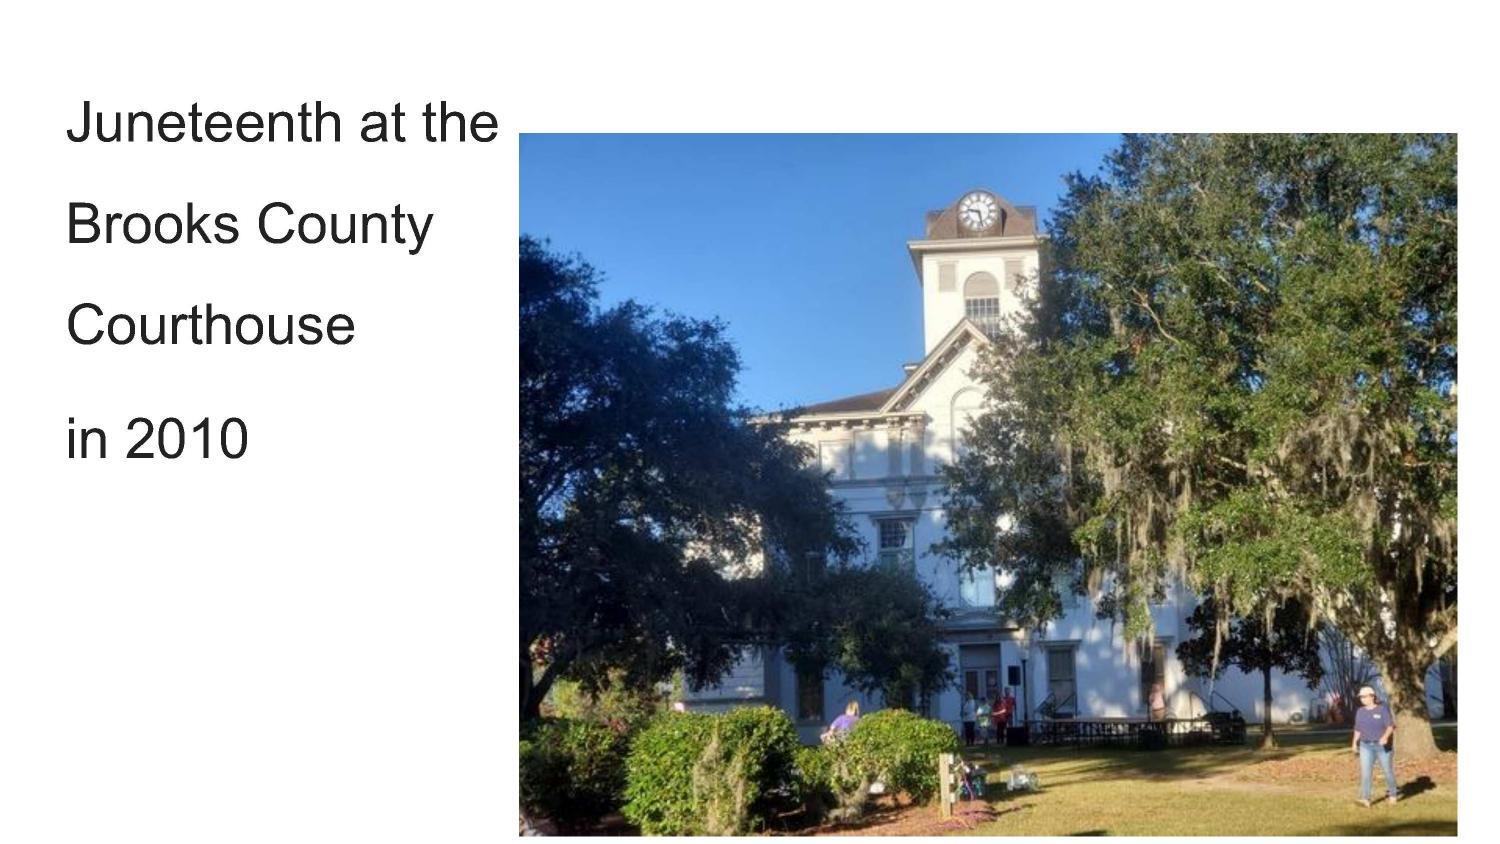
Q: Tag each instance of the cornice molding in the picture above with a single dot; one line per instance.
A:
(918, 248)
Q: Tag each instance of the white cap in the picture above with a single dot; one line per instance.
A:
(1366, 691)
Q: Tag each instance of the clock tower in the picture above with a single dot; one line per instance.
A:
(980, 257)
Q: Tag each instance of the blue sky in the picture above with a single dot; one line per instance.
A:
(797, 242)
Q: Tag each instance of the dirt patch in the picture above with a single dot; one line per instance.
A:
(889, 818)
(1343, 768)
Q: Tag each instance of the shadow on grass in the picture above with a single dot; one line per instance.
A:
(1414, 787)
(1065, 765)
(1068, 765)
(1432, 827)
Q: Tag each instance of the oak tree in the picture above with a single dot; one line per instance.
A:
(1240, 370)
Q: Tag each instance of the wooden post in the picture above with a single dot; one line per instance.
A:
(946, 792)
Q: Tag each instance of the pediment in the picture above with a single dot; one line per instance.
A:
(963, 336)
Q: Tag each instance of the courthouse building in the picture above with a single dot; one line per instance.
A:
(884, 452)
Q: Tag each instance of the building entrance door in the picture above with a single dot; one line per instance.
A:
(983, 682)
(981, 670)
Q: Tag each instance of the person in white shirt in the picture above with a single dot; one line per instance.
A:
(969, 708)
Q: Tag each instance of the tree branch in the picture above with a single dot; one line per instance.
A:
(1141, 298)
(1446, 642)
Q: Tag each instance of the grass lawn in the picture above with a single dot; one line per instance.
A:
(1308, 787)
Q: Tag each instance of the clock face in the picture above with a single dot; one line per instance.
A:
(977, 211)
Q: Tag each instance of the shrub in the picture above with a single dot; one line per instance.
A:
(618, 703)
(813, 773)
(571, 771)
(658, 772)
(901, 749)
(834, 782)
(690, 773)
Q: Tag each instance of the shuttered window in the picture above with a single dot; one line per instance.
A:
(1015, 276)
(947, 277)
(1062, 685)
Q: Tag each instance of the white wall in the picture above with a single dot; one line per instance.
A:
(873, 482)
(941, 309)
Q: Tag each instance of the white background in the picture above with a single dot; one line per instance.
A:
(317, 642)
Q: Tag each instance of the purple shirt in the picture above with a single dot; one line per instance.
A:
(843, 723)
(1371, 722)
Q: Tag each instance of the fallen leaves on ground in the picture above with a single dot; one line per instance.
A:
(1344, 767)
(887, 818)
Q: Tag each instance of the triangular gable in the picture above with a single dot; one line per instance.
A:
(944, 353)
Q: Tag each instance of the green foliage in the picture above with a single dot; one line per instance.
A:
(834, 779)
(571, 771)
(878, 625)
(1241, 370)
(893, 746)
(901, 748)
(1290, 645)
(659, 780)
(722, 786)
(1251, 545)
(813, 773)
(646, 493)
(699, 774)
(617, 704)
(648, 501)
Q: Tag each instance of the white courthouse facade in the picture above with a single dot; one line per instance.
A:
(884, 452)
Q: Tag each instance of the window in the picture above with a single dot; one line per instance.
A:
(968, 405)
(982, 310)
(809, 695)
(833, 456)
(1015, 277)
(896, 542)
(1063, 583)
(811, 565)
(1153, 669)
(869, 455)
(976, 587)
(982, 301)
(1062, 686)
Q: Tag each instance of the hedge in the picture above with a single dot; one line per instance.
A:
(901, 750)
(572, 771)
(699, 774)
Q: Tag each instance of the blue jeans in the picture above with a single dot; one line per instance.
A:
(1369, 751)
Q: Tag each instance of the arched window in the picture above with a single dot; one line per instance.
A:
(982, 301)
(967, 405)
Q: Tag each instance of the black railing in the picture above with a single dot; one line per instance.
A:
(1051, 708)
(1216, 728)
(1228, 704)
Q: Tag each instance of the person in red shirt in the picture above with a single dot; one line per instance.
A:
(1004, 708)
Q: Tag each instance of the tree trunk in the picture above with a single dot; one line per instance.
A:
(1267, 735)
(531, 704)
(1405, 682)
(533, 688)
